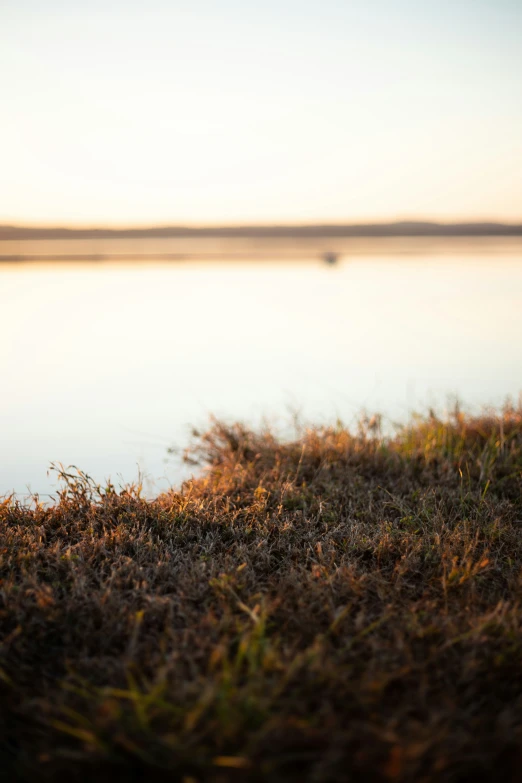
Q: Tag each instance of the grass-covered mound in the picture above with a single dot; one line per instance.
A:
(343, 607)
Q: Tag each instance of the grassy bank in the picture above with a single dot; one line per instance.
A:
(338, 608)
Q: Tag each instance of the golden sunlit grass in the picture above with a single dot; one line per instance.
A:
(342, 607)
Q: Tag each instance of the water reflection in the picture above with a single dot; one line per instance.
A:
(104, 366)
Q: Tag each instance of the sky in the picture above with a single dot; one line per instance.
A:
(122, 112)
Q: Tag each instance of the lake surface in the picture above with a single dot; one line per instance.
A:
(105, 365)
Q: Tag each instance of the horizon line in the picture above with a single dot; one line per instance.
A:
(198, 225)
(416, 227)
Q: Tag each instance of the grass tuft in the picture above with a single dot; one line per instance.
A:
(346, 606)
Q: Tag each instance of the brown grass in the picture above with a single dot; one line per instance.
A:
(342, 607)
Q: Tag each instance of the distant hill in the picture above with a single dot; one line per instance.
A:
(396, 229)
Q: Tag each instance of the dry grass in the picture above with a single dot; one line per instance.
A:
(338, 608)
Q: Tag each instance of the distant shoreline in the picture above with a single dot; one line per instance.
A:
(366, 230)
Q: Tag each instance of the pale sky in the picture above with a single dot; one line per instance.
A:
(276, 111)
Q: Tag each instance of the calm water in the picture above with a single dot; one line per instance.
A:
(104, 365)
